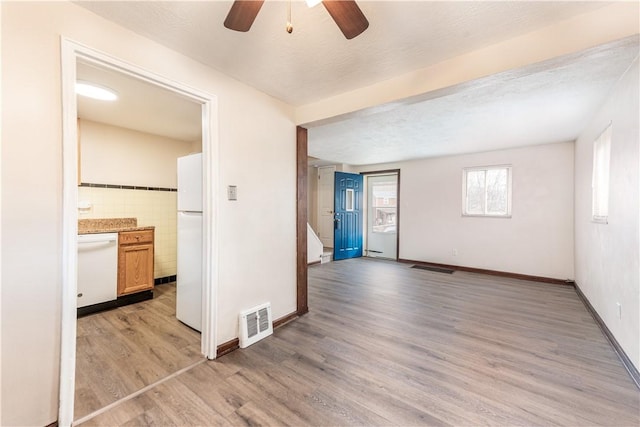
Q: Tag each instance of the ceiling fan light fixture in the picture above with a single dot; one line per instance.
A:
(94, 91)
(345, 13)
(289, 26)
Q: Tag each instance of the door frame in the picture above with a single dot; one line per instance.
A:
(366, 215)
(71, 52)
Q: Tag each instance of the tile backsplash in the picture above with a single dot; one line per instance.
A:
(150, 207)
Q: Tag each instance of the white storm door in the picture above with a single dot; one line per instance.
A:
(382, 216)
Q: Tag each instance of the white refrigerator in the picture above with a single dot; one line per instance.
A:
(189, 256)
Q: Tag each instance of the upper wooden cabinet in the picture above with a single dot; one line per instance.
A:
(135, 261)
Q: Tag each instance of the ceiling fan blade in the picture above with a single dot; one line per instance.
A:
(242, 14)
(348, 17)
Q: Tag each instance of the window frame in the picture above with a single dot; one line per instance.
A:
(465, 171)
(597, 198)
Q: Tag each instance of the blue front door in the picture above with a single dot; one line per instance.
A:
(347, 223)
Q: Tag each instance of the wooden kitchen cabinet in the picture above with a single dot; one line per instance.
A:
(135, 261)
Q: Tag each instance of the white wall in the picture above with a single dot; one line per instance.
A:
(115, 155)
(607, 255)
(257, 153)
(537, 240)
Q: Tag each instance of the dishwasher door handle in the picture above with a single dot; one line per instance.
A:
(97, 239)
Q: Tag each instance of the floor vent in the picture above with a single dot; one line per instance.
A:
(436, 269)
(255, 324)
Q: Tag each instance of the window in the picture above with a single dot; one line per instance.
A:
(600, 178)
(487, 191)
(349, 200)
(384, 204)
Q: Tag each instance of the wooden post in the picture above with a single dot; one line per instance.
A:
(301, 220)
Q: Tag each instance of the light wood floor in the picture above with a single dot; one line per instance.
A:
(121, 351)
(385, 344)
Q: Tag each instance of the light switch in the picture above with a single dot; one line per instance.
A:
(232, 192)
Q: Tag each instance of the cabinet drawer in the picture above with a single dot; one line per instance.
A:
(131, 237)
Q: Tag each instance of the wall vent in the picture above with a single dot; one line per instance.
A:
(255, 324)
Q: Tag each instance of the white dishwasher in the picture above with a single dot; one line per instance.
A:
(97, 268)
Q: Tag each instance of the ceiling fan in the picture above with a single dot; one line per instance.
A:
(345, 13)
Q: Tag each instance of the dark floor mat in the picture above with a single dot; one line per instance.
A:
(436, 269)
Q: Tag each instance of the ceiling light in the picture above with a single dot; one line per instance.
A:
(92, 90)
(312, 3)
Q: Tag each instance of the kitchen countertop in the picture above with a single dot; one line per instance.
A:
(109, 225)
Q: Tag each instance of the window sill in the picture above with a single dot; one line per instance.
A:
(600, 220)
(485, 216)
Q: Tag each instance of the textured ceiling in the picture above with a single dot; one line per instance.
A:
(546, 103)
(316, 61)
(543, 103)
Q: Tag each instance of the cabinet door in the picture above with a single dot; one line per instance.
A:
(136, 268)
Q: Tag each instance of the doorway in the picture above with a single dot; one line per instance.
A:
(72, 53)
(382, 216)
(135, 334)
(325, 205)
